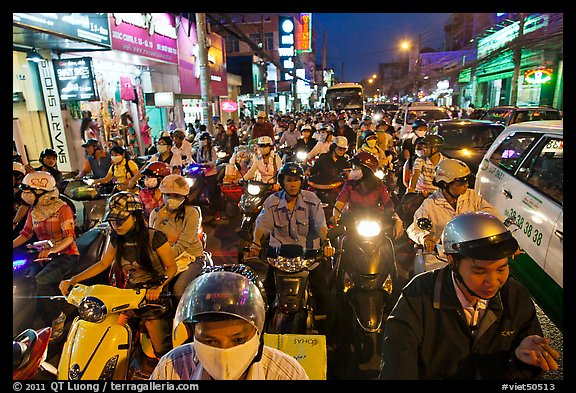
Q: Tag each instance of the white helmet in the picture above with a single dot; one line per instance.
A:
(449, 170)
(341, 141)
(265, 141)
(174, 184)
(18, 167)
(39, 180)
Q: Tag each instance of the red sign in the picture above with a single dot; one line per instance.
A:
(229, 106)
(305, 36)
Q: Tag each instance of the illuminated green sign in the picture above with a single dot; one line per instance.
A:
(538, 76)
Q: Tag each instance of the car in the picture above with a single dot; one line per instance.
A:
(427, 111)
(522, 175)
(466, 139)
(512, 114)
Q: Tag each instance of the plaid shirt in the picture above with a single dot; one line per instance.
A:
(55, 228)
(426, 167)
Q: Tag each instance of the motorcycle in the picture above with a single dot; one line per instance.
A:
(90, 201)
(426, 260)
(363, 278)
(327, 191)
(29, 351)
(254, 193)
(98, 347)
(198, 194)
(25, 266)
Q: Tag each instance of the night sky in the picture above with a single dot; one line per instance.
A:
(363, 40)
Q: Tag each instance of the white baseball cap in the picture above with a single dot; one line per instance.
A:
(341, 141)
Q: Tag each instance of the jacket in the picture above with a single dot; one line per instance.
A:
(427, 336)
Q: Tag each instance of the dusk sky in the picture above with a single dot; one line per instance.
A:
(363, 40)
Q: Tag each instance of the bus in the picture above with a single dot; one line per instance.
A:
(345, 96)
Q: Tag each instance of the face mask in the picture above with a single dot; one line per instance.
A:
(116, 159)
(228, 363)
(150, 182)
(162, 149)
(355, 174)
(420, 153)
(323, 136)
(173, 203)
(420, 133)
(371, 142)
(29, 198)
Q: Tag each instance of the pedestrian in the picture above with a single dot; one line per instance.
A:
(145, 133)
(469, 320)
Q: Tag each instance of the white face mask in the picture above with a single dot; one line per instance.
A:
(227, 363)
(150, 182)
(162, 149)
(116, 159)
(172, 203)
(355, 174)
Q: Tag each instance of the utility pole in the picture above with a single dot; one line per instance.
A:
(294, 81)
(264, 66)
(203, 45)
(517, 58)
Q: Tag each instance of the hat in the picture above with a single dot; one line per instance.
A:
(121, 205)
(90, 142)
(341, 141)
(261, 114)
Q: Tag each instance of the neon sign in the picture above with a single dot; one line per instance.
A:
(538, 76)
(305, 33)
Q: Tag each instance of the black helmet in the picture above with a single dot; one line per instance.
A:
(91, 142)
(419, 123)
(433, 141)
(48, 153)
(205, 136)
(291, 169)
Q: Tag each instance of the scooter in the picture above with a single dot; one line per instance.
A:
(327, 191)
(29, 351)
(97, 346)
(90, 201)
(363, 278)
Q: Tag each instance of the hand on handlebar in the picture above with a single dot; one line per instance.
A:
(153, 293)
(254, 251)
(329, 251)
(65, 286)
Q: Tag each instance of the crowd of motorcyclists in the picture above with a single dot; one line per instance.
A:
(325, 170)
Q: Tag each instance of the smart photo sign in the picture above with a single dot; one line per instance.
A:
(75, 79)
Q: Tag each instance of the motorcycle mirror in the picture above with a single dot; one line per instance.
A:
(424, 223)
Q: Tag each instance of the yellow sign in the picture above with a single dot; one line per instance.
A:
(308, 349)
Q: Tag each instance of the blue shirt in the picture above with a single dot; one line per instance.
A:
(301, 226)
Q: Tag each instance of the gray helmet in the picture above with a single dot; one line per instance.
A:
(478, 235)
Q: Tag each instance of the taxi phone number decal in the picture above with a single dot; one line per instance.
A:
(526, 227)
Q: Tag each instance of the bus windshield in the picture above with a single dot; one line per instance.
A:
(345, 98)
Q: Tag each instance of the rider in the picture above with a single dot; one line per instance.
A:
(325, 135)
(363, 190)
(332, 164)
(48, 160)
(150, 194)
(423, 170)
(180, 222)
(136, 254)
(267, 164)
(223, 340)
(305, 142)
(470, 319)
(296, 216)
(97, 160)
(206, 157)
(49, 218)
(182, 147)
(166, 155)
(407, 150)
(368, 143)
(122, 169)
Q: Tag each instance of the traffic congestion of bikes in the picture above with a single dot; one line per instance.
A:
(331, 230)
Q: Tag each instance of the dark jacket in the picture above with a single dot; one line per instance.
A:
(301, 144)
(427, 336)
(327, 169)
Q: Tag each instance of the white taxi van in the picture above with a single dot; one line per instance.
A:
(522, 175)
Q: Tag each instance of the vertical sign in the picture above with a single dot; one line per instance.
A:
(286, 46)
(305, 33)
(54, 114)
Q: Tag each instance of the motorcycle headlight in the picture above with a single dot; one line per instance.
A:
(368, 228)
(190, 181)
(221, 154)
(301, 155)
(253, 189)
(92, 309)
(290, 265)
(379, 174)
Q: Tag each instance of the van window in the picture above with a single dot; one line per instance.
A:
(509, 153)
(545, 169)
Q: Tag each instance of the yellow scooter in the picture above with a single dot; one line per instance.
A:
(98, 347)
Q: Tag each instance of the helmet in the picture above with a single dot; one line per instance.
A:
(220, 292)
(174, 184)
(91, 142)
(367, 118)
(340, 141)
(291, 169)
(265, 141)
(326, 126)
(121, 205)
(478, 235)
(433, 141)
(156, 168)
(306, 127)
(205, 135)
(48, 153)
(38, 180)
(365, 159)
(449, 170)
(365, 135)
(419, 123)
(18, 167)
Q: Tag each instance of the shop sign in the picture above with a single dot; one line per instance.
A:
(87, 27)
(229, 106)
(75, 79)
(286, 46)
(305, 33)
(145, 34)
(538, 76)
(54, 114)
(164, 99)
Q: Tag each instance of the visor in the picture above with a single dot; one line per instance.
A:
(494, 247)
